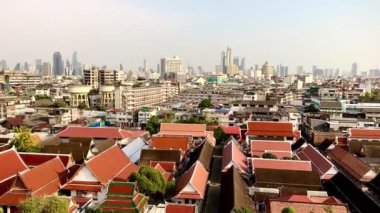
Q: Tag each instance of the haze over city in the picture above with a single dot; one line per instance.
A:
(326, 33)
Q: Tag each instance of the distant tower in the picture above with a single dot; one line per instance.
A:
(57, 64)
(237, 61)
(145, 66)
(242, 64)
(354, 70)
(74, 65)
(121, 67)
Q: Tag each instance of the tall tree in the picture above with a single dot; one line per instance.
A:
(205, 103)
(53, 204)
(23, 140)
(219, 135)
(153, 125)
(149, 181)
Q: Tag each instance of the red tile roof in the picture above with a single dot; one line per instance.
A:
(279, 148)
(195, 130)
(35, 159)
(195, 177)
(98, 132)
(15, 121)
(364, 133)
(112, 163)
(233, 156)
(166, 174)
(171, 142)
(304, 203)
(167, 165)
(320, 164)
(231, 130)
(45, 178)
(351, 164)
(271, 128)
(179, 208)
(10, 164)
(294, 165)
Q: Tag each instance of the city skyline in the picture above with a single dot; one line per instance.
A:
(330, 34)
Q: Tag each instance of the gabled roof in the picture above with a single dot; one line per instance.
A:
(133, 149)
(10, 164)
(304, 203)
(195, 130)
(15, 121)
(231, 130)
(123, 197)
(270, 128)
(233, 156)
(277, 178)
(192, 184)
(111, 164)
(279, 148)
(168, 175)
(319, 162)
(179, 208)
(294, 165)
(77, 147)
(148, 155)
(206, 153)
(99, 132)
(351, 164)
(45, 178)
(234, 192)
(171, 142)
(371, 134)
(34, 159)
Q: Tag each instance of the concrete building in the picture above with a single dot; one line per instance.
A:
(95, 77)
(57, 64)
(91, 77)
(107, 96)
(25, 79)
(170, 66)
(267, 70)
(79, 94)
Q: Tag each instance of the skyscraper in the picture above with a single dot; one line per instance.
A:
(38, 66)
(354, 70)
(171, 66)
(46, 69)
(75, 66)
(57, 64)
(237, 61)
(242, 64)
(3, 65)
(226, 60)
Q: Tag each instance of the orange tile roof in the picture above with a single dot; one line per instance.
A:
(351, 164)
(197, 177)
(171, 142)
(98, 132)
(110, 164)
(233, 156)
(364, 133)
(294, 165)
(45, 178)
(279, 148)
(304, 203)
(271, 128)
(34, 159)
(179, 208)
(195, 130)
(10, 164)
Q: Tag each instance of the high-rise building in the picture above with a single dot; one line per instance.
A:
(242, 64)
(17, 67)
(267, 70)
(237, 61)
(226, 60)
(57, 64)
(46, 69)
(38, 66)
(121, 67)
(75, 67)
(3, 65)
(171, 66)
(95, 77)
(354, 70)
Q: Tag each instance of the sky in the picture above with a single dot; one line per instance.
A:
(327, 33)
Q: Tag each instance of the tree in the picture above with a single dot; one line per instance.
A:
(311, 108)
(59, 104)
(149, 181)
(244, 210)
(23, 140)
(53, 204)
(269, 155)
(153, 125)
(82, 105)
(288, 210)
(205, 103)
(219, 135)
(287, 158)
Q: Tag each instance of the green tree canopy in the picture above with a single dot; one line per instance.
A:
(219, 135)
(269, 155)
(311, 108)
(205, 103)
(149, 181)
(153, 125)
(244, 210)
(53, 204)
(23, 140)
(59, 104)
(288, 210)
(82, 105)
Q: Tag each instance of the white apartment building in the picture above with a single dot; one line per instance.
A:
(171, 65)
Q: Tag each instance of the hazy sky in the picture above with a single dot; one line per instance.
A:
(328, 33)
